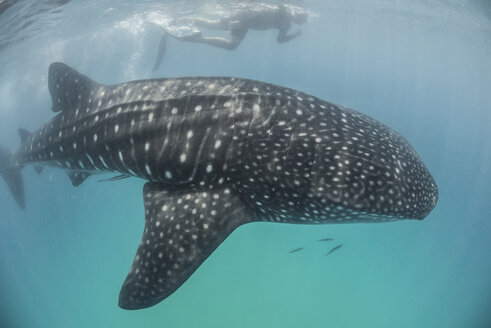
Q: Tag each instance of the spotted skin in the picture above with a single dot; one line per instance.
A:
(219, 152)
(175, 242)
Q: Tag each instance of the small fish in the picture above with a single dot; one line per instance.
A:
(326, 239)
(118, 177)
(295, 250)
(334, 249)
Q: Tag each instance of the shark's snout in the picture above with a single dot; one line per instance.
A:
(430, 196)
(376, 178)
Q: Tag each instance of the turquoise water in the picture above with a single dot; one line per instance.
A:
(421, 67)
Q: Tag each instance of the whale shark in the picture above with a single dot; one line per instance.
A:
(217, 153)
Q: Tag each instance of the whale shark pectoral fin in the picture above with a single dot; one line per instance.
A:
(78, 177)
(182, 228)
(68, 88)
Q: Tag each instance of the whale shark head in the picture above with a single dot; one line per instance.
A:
(371, 173)
(317, 162)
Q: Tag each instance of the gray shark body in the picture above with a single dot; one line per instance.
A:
(219, 152)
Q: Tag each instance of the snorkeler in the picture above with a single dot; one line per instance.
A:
(258, 17)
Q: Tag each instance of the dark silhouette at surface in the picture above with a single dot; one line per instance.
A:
(4, 5)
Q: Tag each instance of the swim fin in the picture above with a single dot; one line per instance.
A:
(160, 54)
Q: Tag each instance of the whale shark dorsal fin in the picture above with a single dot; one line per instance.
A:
(182, 228)
(24, 135)
(68, 88)
(78, 177)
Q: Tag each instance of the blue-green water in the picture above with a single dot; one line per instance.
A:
(421, 67)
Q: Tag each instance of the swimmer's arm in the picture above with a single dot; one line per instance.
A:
(283, 35)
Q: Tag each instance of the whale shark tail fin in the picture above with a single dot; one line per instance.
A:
(12, 176)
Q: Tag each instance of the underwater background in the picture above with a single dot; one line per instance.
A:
(421, 67)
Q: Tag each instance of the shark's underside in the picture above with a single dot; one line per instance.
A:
(219, 152)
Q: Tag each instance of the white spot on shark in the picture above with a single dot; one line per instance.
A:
(147, 168)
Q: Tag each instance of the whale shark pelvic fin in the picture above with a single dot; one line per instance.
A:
(77, 178)
(182, 228)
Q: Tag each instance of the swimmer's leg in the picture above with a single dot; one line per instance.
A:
(212, 24)
(236, 38)
(161, 52)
